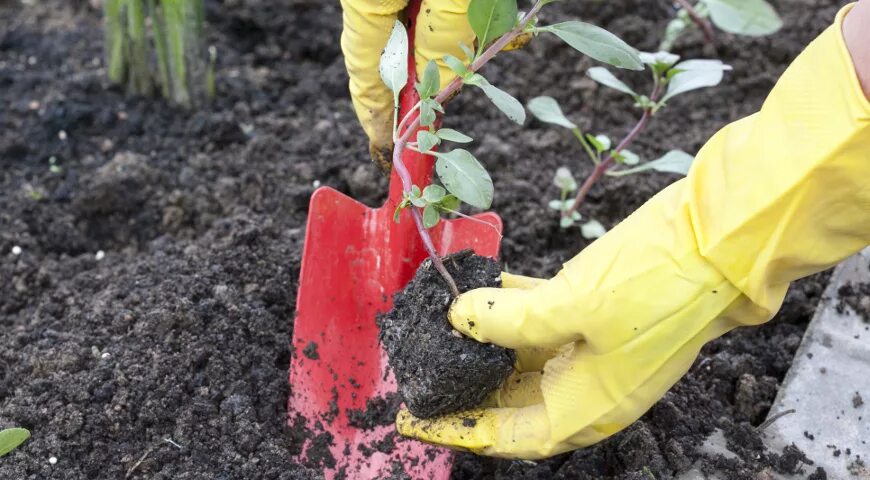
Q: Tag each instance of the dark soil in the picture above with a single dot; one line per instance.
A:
(439, 372)
(167, 357)
(855, 297)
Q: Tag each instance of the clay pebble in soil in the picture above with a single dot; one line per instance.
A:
(437, 371)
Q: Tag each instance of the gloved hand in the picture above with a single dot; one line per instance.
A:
(367, 25)
(771, 198)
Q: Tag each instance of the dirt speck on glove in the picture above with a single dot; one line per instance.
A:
(438, 372)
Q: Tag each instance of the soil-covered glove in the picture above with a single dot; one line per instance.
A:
(771, 198)
(442, 26)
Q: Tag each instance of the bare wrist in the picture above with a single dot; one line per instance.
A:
(856, 32)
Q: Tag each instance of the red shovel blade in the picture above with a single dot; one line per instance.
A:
(355, 259)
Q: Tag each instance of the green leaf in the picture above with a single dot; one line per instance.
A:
(695, 74)
(509, 105)
(597, 43)
(600, 142)
(592, 229)
(394, 60)
(449, 203)
(490, 19)
(431, 81)
(604, 77)
(456, 65)
(453, 136)
(675, 161)
(744, 17)
(434, 193)
(426, 140)
(546, 109)
(564, 180)
(427, 114)
(566, 222)
(11, 438)
(629, 158)
(469, 53)
(465, 177)
(665, 59)
(558, 205)
(430, 216)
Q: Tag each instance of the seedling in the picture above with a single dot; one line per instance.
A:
(752, 18)
(669, 79)
(497, 24)
(11, 438)
(184, 68)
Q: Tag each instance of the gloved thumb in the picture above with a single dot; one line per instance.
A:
(518, 318)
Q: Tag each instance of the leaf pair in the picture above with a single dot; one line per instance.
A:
(681, 78)
(434, 200)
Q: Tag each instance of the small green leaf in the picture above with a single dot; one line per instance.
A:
(546, 109)
(744, 17)
(11, 438)
(469, 53)
(394, 60)
(453, 136)
(430, 216)
(597, 43)
(431, 81)
(434, 193)
(557, 205)
(566, 222)
(601, 143)
(427, 114)
(490, 19)
(509, 105)
(592, 230)
(675, 161)
(456, 65)
(666, 59)
(398, 211)
(629, 158)
(564, 180)
(695, 74)
(426, 140)
(415, 191)
(604, 77)
(465, 177)
(450, 203)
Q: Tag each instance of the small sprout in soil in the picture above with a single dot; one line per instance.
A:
(670, 78)
(11, 438)
(498, 25)
(172, 33)
(752, 18)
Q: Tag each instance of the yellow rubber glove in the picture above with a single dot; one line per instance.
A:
(367, 25)
(771, 198)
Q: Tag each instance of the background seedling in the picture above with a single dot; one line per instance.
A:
(741, 17)
(497, 24)
(669, 79)
(170, 56)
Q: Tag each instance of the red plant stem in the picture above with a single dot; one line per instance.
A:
(702, 23)
(445, 94)
(610, 161)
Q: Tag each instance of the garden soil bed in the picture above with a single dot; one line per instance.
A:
(145, 322)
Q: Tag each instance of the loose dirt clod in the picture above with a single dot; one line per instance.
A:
(437, 372)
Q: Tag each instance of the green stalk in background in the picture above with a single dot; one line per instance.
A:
(140, 72)
(184, 67)
(116, 35)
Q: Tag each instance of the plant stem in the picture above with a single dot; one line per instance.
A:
(701, 22)
(592, 155)
(414, 125)
(610, 160)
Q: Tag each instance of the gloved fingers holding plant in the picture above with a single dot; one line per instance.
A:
(367, 26)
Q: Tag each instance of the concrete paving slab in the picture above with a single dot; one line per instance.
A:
(828, 385)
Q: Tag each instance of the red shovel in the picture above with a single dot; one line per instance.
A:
(355, 259)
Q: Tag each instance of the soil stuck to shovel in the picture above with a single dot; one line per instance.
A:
(437, 371)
